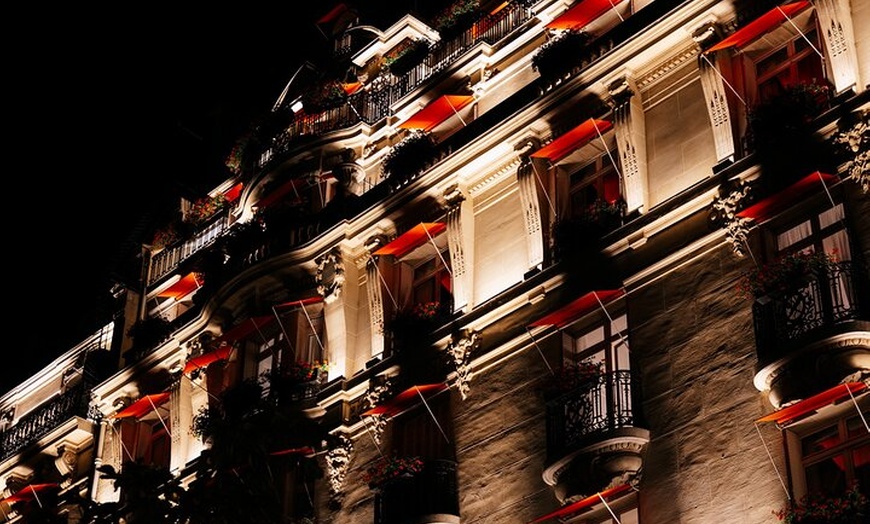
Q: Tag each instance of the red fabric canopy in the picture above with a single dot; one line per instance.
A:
(245, 328)
(30, 492)
(773, 204)
(185, 285)
(572, 140)
(351, 88)
(406, 399)
(585, 503)
(204, 360)
(791, 413)
(578, 308)
(234, 192)
(305, 451)
(582, 13)
(437, 111)
(412, 239)
(302, 302)
(143, 406)
(759, 26)
(292, 186)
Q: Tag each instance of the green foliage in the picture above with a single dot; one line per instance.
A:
(390, 468)
(784, 273)
(850, 508)
(409, 157)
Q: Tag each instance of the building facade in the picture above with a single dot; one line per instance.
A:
(507, 262)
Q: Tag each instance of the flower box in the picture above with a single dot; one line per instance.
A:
(850, 508)
(389, 469)
(784, 273)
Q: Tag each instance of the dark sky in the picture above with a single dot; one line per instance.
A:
(111, 112)
(112, 109)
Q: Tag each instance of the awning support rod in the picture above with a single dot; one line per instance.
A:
(438, 251)
(724, 80)
(123, 447)
(384, 282)
(607, 149)
(374, 440)
(535, 343)
(612, 514)
(858, 409)
(800, 32)
(456, 112)
(311, 325)
(284, 332)
(162, 422)
(613, 7)
(609, 318)
(769, 456)
(546, 193)
(432, 414)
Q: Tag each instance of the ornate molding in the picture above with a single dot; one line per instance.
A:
(731, 199)
(337, 462)
(330, 276)
(854, 142)
(378, 392)
(460, 350)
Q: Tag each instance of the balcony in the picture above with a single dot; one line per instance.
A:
(808, 333)
(48, 417)
(429, 497)
(594, 435)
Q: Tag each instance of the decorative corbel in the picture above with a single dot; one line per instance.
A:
(732, 197)
(854, 142)
(337, 462)
(460, 350)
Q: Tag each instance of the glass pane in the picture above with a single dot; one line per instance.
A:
(772, 62)
(861, 461)
(821, 441)
(793, 235)
(827, 477)
(831, 216)
(855, 426)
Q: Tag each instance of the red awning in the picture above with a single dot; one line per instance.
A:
(759, 26)
(412, 239)
(437, 111)
(304, 451)
(578, 308)
(143, 406)
(302, 302)
(29, 492)
(804, 407)
(582, 14)
(585, 503)
(234, 192)
(572, 140)
(333, 14)
(351, 88)
(244, 329)
(773, 204)
(183, 287)
(406, 399)
(290, 187)
(204, 360)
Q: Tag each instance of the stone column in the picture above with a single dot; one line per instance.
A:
(109, 454)
(376, 301)
(715, 95)
(531, 213)
(838, 39)
(630, 134)
(181, 417)
(454, 198)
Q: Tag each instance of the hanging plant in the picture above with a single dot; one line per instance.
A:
(850, 508)
(406, 56)
(391, 468)
(205, 208)
(409, 157)
(784, 273)
(327, 95)
(457, 17)
(560, 53)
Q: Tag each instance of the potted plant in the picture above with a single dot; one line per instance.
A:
(408, 158)
(389, 469)
(205, 208)
(560, 54)
(850, 508)
(784, 273)
(325, 96)
(456, 18)
(573, 376)
(406, 56)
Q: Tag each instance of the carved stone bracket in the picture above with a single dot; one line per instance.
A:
(854, 142)
(337, 462)
(378, 392)
(731, 199)
(460, 351)
(330, 276)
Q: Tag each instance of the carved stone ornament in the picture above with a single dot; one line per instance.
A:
(330, 276)
(460, 351)
(338, 461)
(854, 142)
(378, 392)
(731, 199)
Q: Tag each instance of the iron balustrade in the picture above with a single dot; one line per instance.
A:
(165, 261)
(375, 103)
(433, 491)
(808, 306)
(44, 419)
(594, 408)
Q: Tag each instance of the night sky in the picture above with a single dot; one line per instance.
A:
(110, 112)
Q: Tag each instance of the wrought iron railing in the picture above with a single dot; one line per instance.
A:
(596, 407)
(811, 305)
(44, 419)
(165, 261)
(374, 104)
(433, 491)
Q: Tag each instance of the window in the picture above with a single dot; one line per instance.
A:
(824, 232)
(593, 183)
(828, 457)
(147, 440)
(796, 62)
(432, 280)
